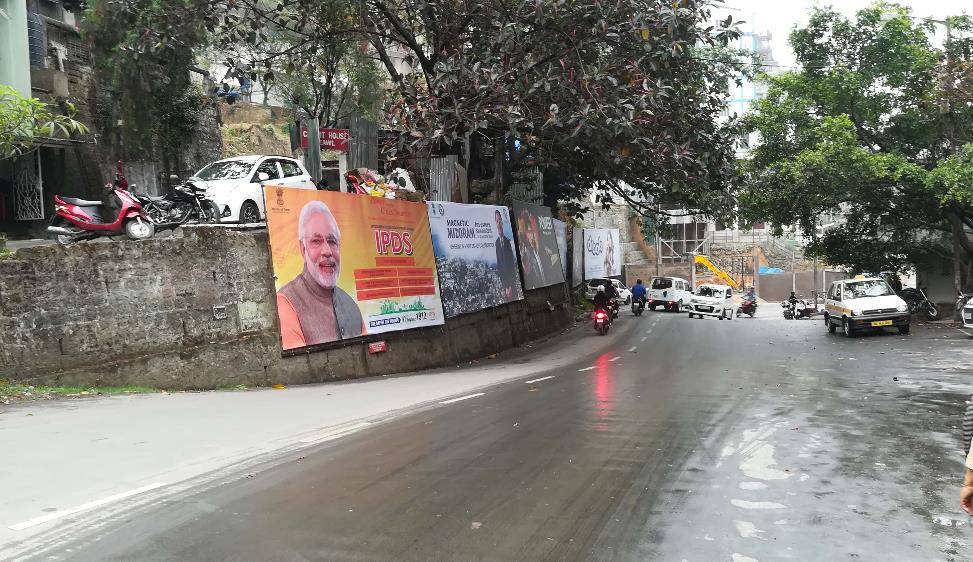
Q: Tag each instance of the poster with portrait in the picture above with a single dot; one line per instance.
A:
(475, 256)
(348, 265)
(561, 232)
(577, 256)
(540, 259)
(602, 253)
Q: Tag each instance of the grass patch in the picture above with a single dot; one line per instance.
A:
(11, 391)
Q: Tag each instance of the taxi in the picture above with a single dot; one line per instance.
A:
(864, 303)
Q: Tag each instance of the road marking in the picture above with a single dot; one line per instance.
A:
(462, 398)
(585, 369)
(84, 507)
(633, 348)
(334, 433)
(649, 331)
(645, 338)
(616, 358)
(540, 379)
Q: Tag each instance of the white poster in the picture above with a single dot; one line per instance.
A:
(602, 253)
(561, 230)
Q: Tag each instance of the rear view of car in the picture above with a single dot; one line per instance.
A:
(671, 293)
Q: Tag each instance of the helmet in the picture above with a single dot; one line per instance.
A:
(601, 288)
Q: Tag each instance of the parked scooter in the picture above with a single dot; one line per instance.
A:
(919, 302)
(602, 320)
(79, 219)
(748, 306)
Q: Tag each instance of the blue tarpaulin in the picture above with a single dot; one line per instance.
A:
(770, 270)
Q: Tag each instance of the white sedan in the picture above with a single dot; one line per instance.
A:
(236, 184)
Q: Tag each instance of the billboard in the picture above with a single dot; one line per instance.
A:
(577, 256)
(540, 259)
(348, 265)
(602, 253)
(561, 232)
(475, 256)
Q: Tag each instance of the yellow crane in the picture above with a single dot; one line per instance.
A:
(717, 271)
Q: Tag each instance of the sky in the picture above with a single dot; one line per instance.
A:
(780, 16)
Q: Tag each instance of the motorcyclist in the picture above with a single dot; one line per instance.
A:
(638, 292)
(603, 301)
(750, 295)
(793, 298)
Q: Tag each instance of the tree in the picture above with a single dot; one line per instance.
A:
(23, 120)
(610, 94)
(861, 131)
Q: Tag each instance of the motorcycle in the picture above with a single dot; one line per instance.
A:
(918, 302)
(638, 306)
(797, 309)
(614, 308)
(748, 306)
(601, 321)
(79, 219)
(186, 202)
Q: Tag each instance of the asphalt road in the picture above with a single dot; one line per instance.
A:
(750, 439)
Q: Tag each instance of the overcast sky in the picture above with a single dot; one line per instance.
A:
(780, 16)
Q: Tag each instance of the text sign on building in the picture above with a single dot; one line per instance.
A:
(331, 139)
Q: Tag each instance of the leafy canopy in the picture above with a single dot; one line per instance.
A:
(24, 120)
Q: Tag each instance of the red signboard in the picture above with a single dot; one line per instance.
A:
(377, 347)
(331, 139)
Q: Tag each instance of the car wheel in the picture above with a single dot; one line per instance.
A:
(831, 327)
(904, 330)
(249, 213)
(847, 328)
(678, 306)
(652, 307)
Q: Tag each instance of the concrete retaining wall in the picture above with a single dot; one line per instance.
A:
(198, 311)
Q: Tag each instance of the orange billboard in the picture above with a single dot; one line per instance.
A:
(348, 265)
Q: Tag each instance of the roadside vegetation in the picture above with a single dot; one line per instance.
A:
(11, 392)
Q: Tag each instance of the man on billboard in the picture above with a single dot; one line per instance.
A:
(506, 266)
(312, 308)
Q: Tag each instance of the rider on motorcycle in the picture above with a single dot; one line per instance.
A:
(751, 294)
(603, 301)
(638, 292)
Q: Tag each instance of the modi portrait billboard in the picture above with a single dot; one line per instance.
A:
(475, 256)
(349, 265)
(540, 258)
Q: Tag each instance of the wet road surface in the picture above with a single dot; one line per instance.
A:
(751, 439)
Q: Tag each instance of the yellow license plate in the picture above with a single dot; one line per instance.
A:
(882, 323)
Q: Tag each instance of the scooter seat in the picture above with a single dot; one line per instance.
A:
(81, 202)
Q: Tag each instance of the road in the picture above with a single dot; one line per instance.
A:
(751, 439)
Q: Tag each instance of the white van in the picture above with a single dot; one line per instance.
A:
(672, 293)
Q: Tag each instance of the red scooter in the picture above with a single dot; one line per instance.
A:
(79, 219)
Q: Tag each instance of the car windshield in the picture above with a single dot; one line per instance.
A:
(871, 288)
(709, 292)
(661, 283)
(227, 170)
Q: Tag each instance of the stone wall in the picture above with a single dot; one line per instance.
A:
(197, 311)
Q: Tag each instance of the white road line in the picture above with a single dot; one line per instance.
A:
(633, 349)
(462, 398)
(83, 507)
(649, 331)
(540, 379)
(334, 433)
(616, 358)
(585, 369)
(643, 339)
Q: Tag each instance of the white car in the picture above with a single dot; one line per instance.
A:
(712, 300)
(672, 293)
(864, 303)
(236, 184)
(624, 293)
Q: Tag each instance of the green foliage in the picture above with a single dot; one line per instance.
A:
(952, 180)
(22, 120)
(864, 130)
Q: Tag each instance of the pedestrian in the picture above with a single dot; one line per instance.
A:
(966, 492)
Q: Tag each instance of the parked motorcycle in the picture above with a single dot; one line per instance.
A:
(186, 202)
(79, 219)
(638, 306)
(602, 321)
(749, 307)
(918, 302)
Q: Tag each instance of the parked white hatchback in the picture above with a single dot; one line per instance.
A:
(712, 300)
(236, 184)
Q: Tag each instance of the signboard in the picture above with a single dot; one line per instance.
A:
(475, 256)
(602, 253)
(540, 259)
(377, 347)
(331, 139)
(577, 256)
(561, 232)
(348, 265)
